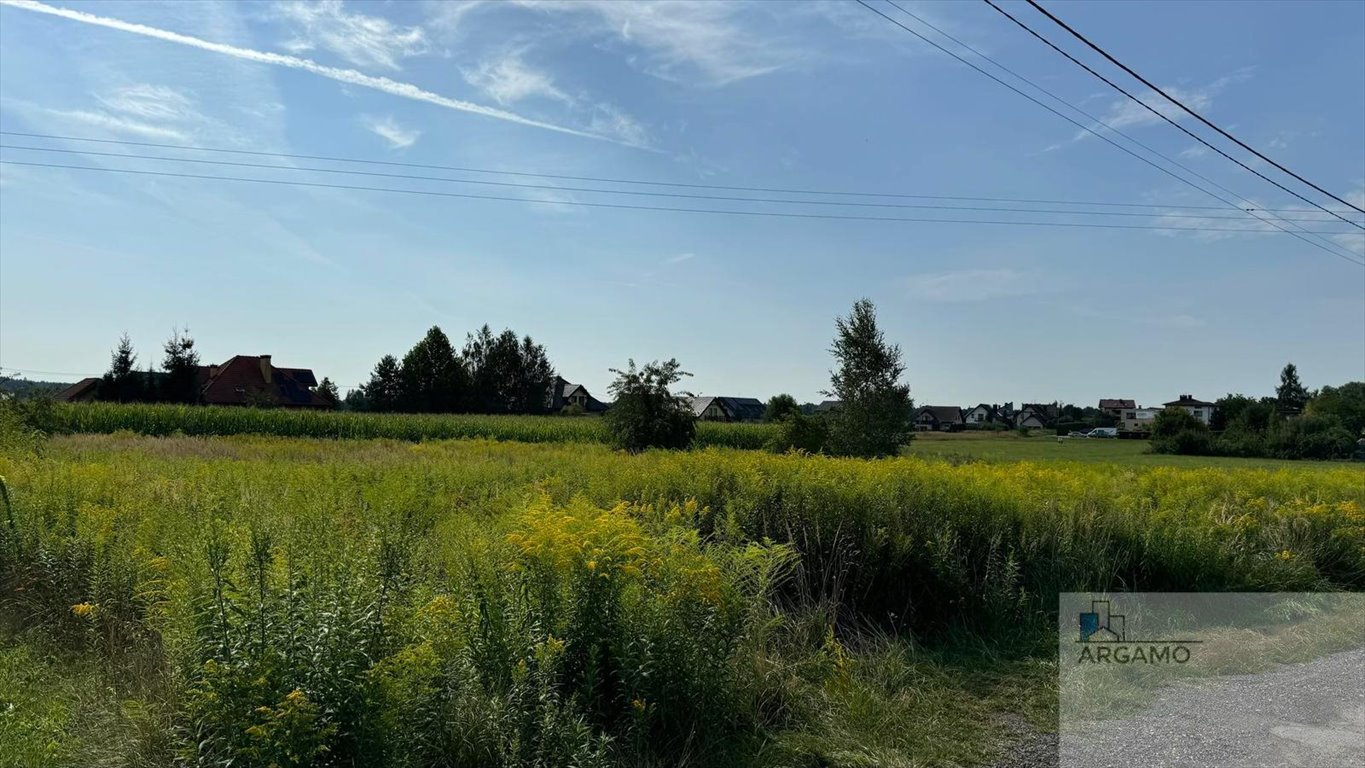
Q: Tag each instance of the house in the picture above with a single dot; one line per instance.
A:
(1116, 407)
(242, 380)
(1046, 413)
(938, 418)
(1199, 409)
(565, 393)
(828, 405)
(82, 391)
(1137, 419)
(255, 380)
(984, 414)
(727, 408)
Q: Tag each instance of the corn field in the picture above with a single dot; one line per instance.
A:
(284, 601)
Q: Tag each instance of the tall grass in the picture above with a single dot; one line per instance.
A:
(165, 419)
(305, 602)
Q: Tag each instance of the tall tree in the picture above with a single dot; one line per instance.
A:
(181, 365)
(779, 407)
(329, 391)
(646, 413)
(506, 375)
(122, 382)
(874, 415)
(535, 378)
(1291, 394)
(382, 391)
(432, 379)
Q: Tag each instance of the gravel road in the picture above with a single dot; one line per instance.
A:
(1310, 714)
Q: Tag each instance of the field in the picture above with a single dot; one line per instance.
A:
(261, 600)
(1009, 446)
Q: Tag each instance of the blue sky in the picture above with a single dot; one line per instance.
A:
(820, 96)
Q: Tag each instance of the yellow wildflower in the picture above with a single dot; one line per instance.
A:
(84, 610)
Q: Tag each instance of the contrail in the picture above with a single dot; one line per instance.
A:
(348, 76)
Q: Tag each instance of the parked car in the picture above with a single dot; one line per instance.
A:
(1104, 432)
(1075, 433)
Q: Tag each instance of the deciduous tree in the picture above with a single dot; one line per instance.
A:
(874, 416)
(646, 413)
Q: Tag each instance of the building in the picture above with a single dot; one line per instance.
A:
(242, 380)
(82, 391)
(1199, 409)
(727, 408)
(826, 406)
(565, 393)
(1043, 414)
(984, 414)
(1137, 419)
(1116, 407)
(938, 418)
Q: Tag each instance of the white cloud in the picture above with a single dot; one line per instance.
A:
(389, 130)
(1126, 113)
(683, 38)
(124, 125)
(508, 80)
(365, 41)
(680, 258)
(980, 284)
(1196, 151)
(608, 120)
(347, 76)
(151, 102)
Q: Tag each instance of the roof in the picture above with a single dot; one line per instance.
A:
(81, 389)
(828, 405)
(1117, 403)
(563, 389)
(1189, 402)
(241, 381)
(736, 408)
(950, 414)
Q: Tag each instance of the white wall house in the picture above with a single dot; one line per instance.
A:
(1197, 408)
(1138, 419)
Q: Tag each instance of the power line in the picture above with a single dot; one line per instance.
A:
(1178, 103)
(624, 206)
(1184, 180)
(1326, 244)
(607, 180)
(783, 201)
(1156, 112)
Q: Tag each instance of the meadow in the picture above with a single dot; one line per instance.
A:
(251, 600)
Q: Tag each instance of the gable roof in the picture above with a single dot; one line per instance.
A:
(943, 414)
(828, 405)
(241, 381)
(80, 390)
(1117, 403)
(1188, 402)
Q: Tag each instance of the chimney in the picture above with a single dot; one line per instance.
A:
(265, 368)
(213, 371)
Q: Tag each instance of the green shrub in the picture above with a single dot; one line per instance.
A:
(645, 413)
(799, 432)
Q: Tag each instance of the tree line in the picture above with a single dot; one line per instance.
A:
(494, 373)
(1297, 423)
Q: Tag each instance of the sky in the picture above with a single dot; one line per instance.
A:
(823, 96)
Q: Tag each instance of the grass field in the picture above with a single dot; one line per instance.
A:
(292, 601)
(1009, 446)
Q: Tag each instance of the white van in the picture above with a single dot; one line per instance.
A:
(1103, 432)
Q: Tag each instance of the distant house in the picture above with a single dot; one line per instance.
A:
(827, 406)
(938, 418)
(1046, 413)
(242, 380)
(983, 414)
(82, 391)
(1116, 407)
(565, 393)
(1197, 408)
(1027, 419)
(727, 408)
(1138, 419)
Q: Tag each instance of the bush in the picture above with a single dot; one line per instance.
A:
(646, 414)
(799, 432)
(779, 406)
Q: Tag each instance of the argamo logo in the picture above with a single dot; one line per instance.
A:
(1104, 640)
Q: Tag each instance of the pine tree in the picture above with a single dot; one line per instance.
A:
(122, 382)
(329, 392)
(383, 389)
(874, 415)
(432, 378)
(181, 365)
(1291, 394)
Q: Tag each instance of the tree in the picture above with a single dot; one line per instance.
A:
(431, 378)
(507, 375)
(646, 413)
(329, 391)
(1291, 394)
(779, 407)
(123, 382)
(383, 390)
(181, 365)
(874, 416)
(1346, 402)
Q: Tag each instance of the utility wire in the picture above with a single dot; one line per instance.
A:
(624, 206)
(782, 201)
(1178, 103)
(1156, 112)
(1323, 245)
(606, 180)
